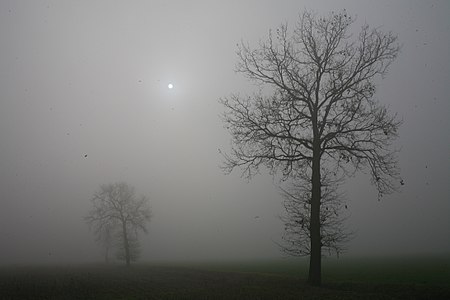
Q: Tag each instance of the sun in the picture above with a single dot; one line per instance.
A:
(170, 86)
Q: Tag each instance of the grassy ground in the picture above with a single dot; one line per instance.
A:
(413, 269)
(424, 278)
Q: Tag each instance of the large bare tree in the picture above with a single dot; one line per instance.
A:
(118, 212)
(315, 109)
(334, 235)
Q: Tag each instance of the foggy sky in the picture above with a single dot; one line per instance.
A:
(90, 78)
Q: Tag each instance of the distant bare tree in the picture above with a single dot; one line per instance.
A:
(297, 218)
(134, 247)
(315, 110)
(105, 236)
(117, 212)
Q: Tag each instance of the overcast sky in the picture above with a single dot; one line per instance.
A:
(84, 101)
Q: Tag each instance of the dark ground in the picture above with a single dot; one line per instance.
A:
(190, 282)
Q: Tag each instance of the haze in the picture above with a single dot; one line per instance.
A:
(84, 100)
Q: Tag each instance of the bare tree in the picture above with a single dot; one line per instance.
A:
(297, 218)
(134, 248)
(105, 236)
(117, 211)
(315, 109)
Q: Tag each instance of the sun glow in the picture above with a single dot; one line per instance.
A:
(170, 86)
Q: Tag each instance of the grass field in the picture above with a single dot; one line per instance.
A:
(413, 269)
(382, 278)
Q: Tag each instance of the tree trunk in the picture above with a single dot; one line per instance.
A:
(126, 244)
(315, 259)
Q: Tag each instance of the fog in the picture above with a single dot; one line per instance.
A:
(84, 101)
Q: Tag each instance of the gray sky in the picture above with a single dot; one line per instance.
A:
(90, 78)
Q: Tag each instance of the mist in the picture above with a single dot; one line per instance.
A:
(84, 101)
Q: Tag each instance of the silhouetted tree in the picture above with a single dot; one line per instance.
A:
(297, 218)
(117, 212)
(315, 109)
